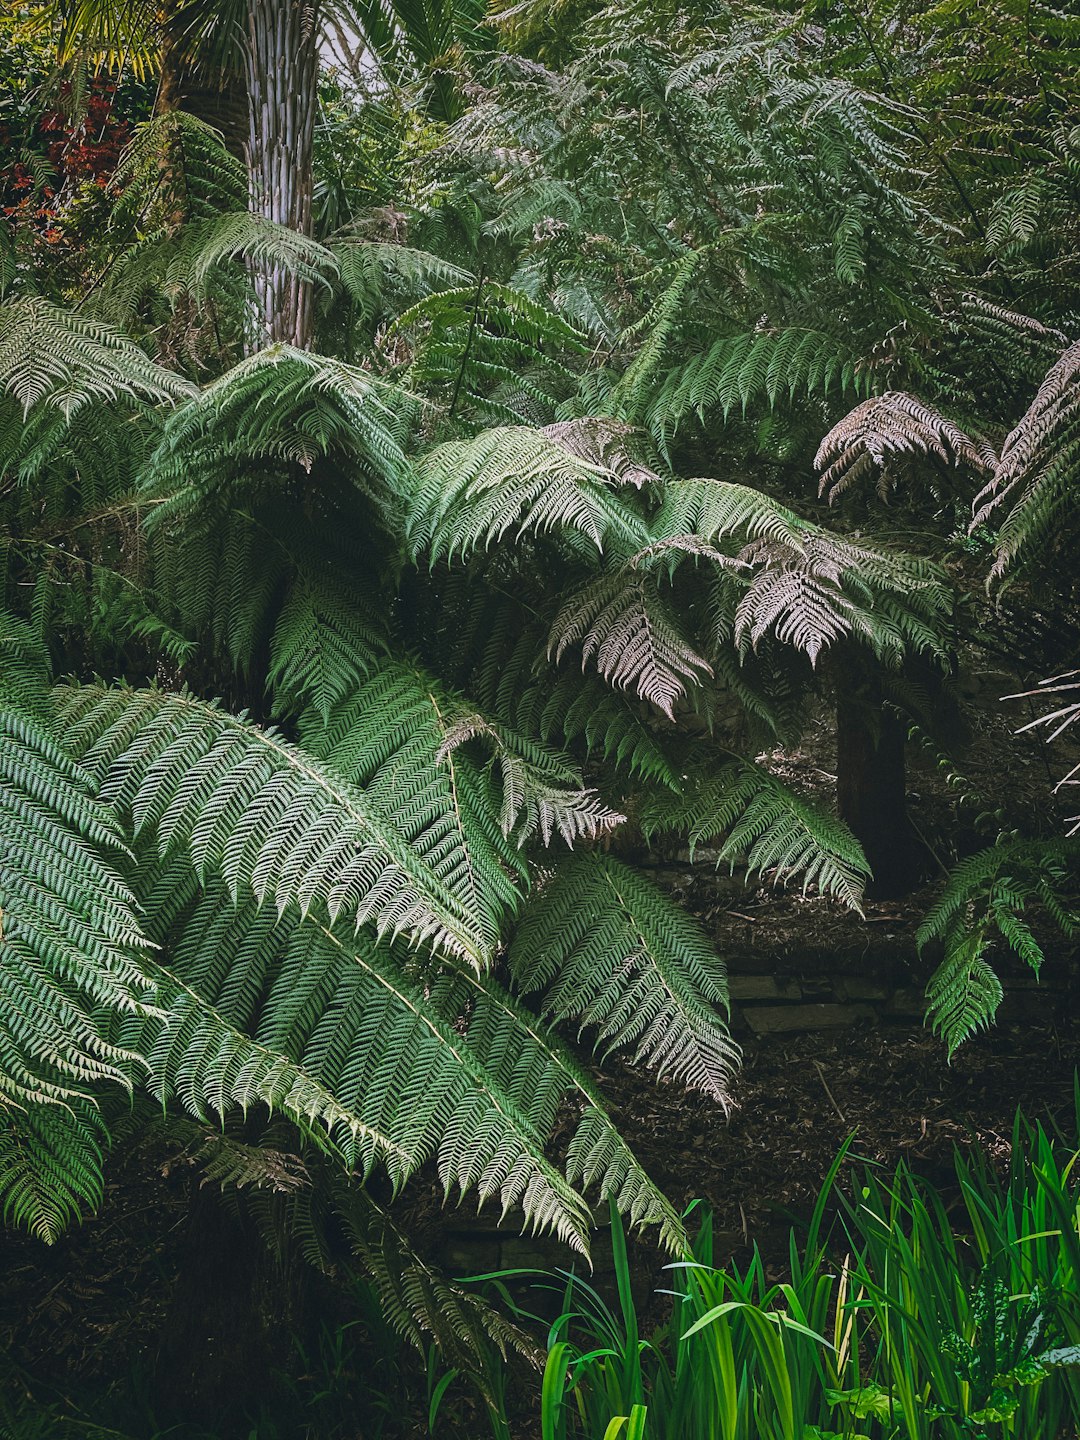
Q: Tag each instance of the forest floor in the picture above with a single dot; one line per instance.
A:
(86, 1315)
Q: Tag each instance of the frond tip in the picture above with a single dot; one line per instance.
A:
(769, 827)
(887, 432)
(613, 953)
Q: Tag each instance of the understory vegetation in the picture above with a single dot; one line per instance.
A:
(450, 455)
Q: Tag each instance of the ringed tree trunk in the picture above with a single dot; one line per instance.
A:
(281, 62)
(871, 777)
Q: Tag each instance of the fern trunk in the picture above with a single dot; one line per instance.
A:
(196, 83)
(229, 1325)
(871, 779)
(282, 66)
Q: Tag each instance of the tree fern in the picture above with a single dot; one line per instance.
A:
(609, 951)
(323, 646)
(183, 263)
(509, 675)
(376, 273)
(283, 406)
(755, 819)
(828, 589)
(510, 482)
(716, 509)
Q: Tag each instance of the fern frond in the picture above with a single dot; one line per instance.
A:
(511, 680)
(1031, 496)
(373, 271)
(272, 820)
(322, 649)
(70, 943)
(388, 737)
(177, 161)
(963, 993)
(761, 822)
(984, 894)
(888, 430)
(623, 624)
(24, 670)
(50, 1166)
(828, 589)
(422, 1304)
(758, 364)
(381, 1056)
(514, 480)
(56, 357)
(609, 444)
(611, 952)
(287, 406)
(716, 509)
(242, 235)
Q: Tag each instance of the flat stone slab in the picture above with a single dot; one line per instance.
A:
(773, 1019)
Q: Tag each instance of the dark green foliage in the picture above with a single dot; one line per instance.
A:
(760, 822)
(984, 901)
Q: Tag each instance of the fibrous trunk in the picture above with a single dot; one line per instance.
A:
(208, 87)
(871, 779)
(281, 59)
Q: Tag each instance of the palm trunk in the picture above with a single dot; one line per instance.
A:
(281, 61)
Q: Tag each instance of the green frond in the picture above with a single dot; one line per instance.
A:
(191, 262)
(740, 369)
(56, 357)
(963, 993)
(492, 346)
(388, 738)
(536, 1063)
(757, 820)
(24, 670)
(987, 894)
(323, 647)
(423, 1304)
(610, 951)
(713, 510)
(574, 709)
(284, 406)
(176, 161)
(50, 1167)
(70, 943)
(511, 482)
(334, 1027)
(269, 818)
(377, 274)
(659, 324)
(257, 241)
